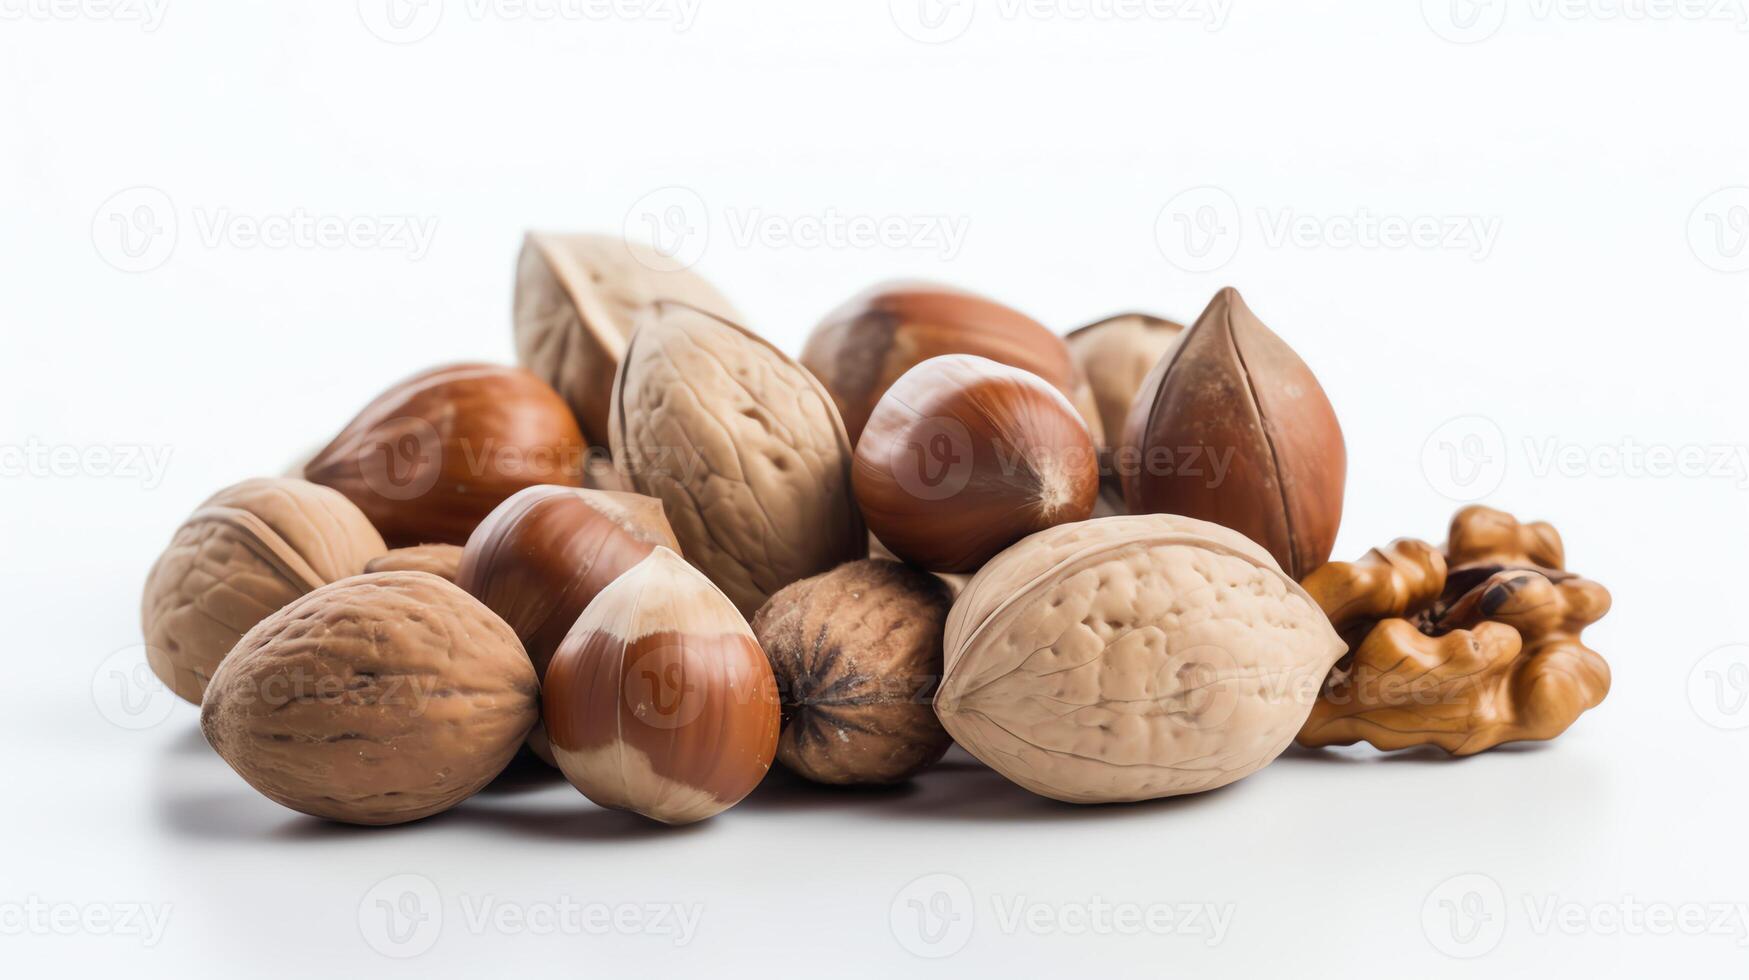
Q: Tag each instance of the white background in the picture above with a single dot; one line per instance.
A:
(1605, 316)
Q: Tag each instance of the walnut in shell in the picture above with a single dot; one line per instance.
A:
(375, 700)
(242, 555)
(743, 448)
(857, 655)
(578, 298)
(1129, 658)
(1464, 650)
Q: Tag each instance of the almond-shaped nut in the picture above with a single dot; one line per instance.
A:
(660, 701)
(1115, 356)
(240, 557)
(743, 448)
(578, 298)
(1233, 428)
(867, 343)
(1130, 658)
(377, 699)
(429, 458)
(441, 560)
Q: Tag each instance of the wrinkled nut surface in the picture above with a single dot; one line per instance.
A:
(857, 655)
(1465, 650)
(1129, 658)
(1232, 427)
(1115, 356)
(866, 344)
(378, 699)
(429, 458)
(965, 456)
(743, 448)
(578, 298)
(242, 555)
(660, 701)
(441, 560)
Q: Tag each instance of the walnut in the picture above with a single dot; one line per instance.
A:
(1465, 649)
(441, 560)
(857, 654)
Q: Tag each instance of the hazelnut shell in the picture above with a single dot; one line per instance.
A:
(1115, 356)
(857, 655)
(441, 560)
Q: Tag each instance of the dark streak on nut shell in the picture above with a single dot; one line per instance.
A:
(857, 655)
(1242, 406)
(374, 700)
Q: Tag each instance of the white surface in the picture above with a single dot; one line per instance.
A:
(1589, 142)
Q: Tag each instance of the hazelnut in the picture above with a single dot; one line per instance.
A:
(1129, 658)
(543, 555)
(375, 700)
(578, 297)
(430, 457)
(1232, 427)
(242, 555)
(857, 654)
(1115, 356)
(441, 560)
(743, 448)
(964, 456)
(862, 347)
(660, 701)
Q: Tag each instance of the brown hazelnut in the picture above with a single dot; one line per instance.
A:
(242, 555)
(743, 448)
(375, 700)
(660, 701)
(857, 654)
(964, 456)
(863, 346)
(1232, 427)
(430, 457)
(441, 560)
(578, 298)
(1115, 356)
(543, 555)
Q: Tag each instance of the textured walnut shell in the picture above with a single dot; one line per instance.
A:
(1115, 356)
(1465, 650)
(866, 344)
(659, 701)
(965, 456)
(1129, 658)
(1233, 428)
(441, 560)
(429, 458)
(578, 298)
(743, 448)
(374, 700)
(857, 655)
(242, 555)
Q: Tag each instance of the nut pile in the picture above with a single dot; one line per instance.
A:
(661, 554)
